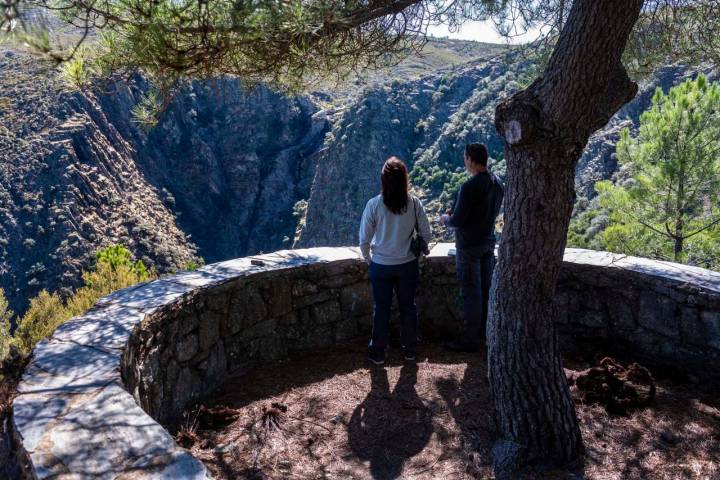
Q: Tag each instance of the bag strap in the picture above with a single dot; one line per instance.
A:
(415, 228)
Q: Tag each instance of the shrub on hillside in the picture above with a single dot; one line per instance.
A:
(45, 314)
(5, 316)
(114, 269)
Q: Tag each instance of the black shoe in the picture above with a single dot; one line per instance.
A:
(409, 356)
(376, 356)
(461, 346)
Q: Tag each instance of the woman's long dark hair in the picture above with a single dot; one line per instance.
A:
(395, 185)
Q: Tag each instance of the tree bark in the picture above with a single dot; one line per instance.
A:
(679, 204)
(545, 129)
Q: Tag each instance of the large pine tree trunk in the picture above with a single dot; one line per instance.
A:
(546, 128)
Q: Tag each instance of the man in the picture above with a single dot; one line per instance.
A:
(473, 216)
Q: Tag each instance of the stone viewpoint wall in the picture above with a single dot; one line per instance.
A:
(91, 399)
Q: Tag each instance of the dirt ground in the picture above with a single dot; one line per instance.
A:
(330, 415)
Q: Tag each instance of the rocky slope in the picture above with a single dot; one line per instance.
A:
(69, 183)
(427, 122)
(219, 176)
(424, 122)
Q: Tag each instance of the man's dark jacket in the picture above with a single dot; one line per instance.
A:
(477, 205)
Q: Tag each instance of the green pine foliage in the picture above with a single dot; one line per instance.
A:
(114, 268)
(45, 314)
(667, 203)
(5, 316)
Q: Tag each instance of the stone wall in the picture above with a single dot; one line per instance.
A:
(660, 312)
(151, 349)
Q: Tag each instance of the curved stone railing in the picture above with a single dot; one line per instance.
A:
(90, 401)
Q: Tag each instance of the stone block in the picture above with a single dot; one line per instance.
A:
(356, 300)
(701, 327)
(187, 348)
(561, 307)
(218, 302)
(327, 312)
(68, 367)
(147, 297)
(338, 281)
(246, 309)
(302, 287)
(269, 348)
(277, 296)
(209, 332)
(33, 413)
(265, 328)
(214, 367)
(236, 349)
(286, 320)
(319, 336)
(176, 465)
(621, 315)
(102, 435)
(592, 299)
(346, 329)
(322, 296)
(105, 328)
(658, 314)
(187, 323)
(187, 388)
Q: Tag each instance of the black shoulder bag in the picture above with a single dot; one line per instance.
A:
(418, 245)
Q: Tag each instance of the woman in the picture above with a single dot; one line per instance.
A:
(386, 232)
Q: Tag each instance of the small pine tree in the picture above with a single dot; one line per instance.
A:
(114, 268)
(45, 314)
(5, 316)
(668, 207)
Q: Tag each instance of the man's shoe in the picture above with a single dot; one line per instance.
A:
(408, 356)
(376, 357)
(461, 346)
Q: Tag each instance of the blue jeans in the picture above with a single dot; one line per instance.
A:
(403, 281)
(474, 273)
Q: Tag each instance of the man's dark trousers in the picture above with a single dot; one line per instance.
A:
(403, 281)
(474, 273)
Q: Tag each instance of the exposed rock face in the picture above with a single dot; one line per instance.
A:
(236, 161)
(69, 183)
(427, 123)
(219, 175)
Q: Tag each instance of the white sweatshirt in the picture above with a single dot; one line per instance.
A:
(388, 234)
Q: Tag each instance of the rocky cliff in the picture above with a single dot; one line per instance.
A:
(70, 183)
(222, 175)
(427, 123)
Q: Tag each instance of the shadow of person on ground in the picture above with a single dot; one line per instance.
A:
(469, 403)
(389, 428)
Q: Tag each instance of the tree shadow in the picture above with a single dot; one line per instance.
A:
(389, 428)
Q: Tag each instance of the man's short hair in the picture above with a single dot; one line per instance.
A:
(478, 153)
